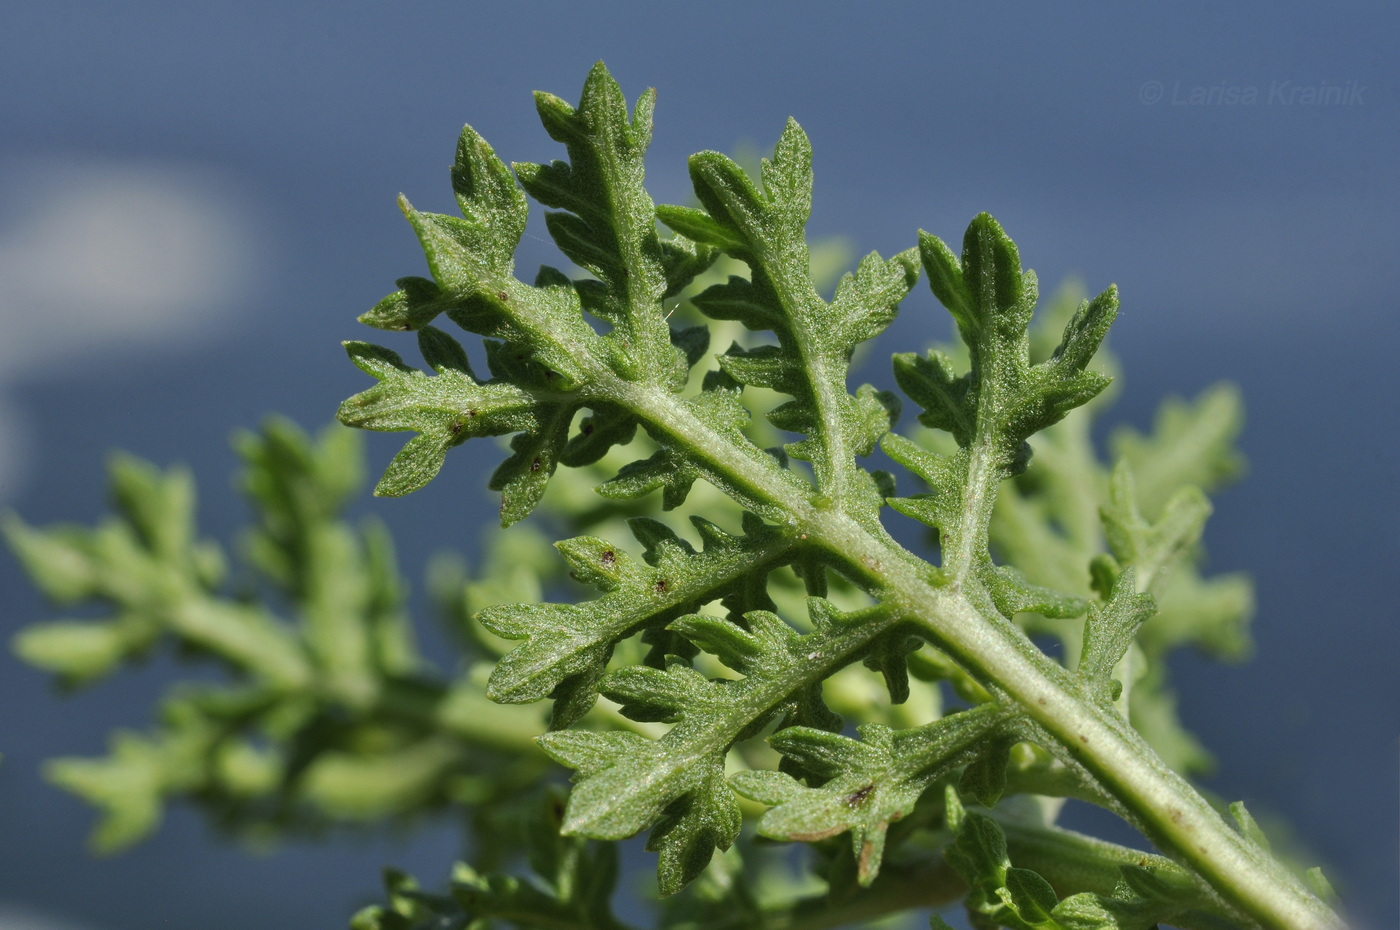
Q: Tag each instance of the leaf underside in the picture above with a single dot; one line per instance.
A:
(699, 671)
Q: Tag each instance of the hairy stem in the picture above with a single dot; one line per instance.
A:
(1160, 802)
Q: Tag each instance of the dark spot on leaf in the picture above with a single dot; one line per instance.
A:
(535, 465)
(609, 558)
(471, 413)
(456, 427)
(662, 586)
(502, 295)
(587, 429)
(857, 798)
(548, 375)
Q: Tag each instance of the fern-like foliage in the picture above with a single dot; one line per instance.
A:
(324, 713)
(776, 657)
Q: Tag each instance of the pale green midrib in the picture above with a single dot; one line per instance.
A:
(1065, 857)
(516, 308)
(995, 651)
(632, 614)
(645, 282)
(979, 491)
(752, 469)
(1071, 860)
(1167, 806)
(976, 502)
(799, 297)
(695, 738)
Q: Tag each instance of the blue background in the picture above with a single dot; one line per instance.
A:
(1253, 240)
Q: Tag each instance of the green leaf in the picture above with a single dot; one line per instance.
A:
(126, 787)
(930, 382)
(764, 227)
(147, 566)
(1005, 895)
(1151, 548)
(945, 278)
(1031, 398)
(1320, 885)
(447, 409)
(322, 717)
(625, 785)
(889, 655)
(777, 213)
(1192, 443)
(867, 300)
(158, 506)
(984, 779)
(489, 199)
(571, 886)
(416, 304)
(535, 454)
(867, 784)
(1247, 824)
(698, 226)
(55, 560)
(996, 406)
(940, 508)
(1029, 895)
(1013, 594)
(75, 651)
(1109, 632)
(610, 228)
(692, 828)
(571, 643)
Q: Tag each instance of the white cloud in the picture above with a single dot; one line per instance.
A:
(15, 918)
(98, 256)
(89, 252)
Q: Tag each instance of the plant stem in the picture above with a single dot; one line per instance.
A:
(1160, 802)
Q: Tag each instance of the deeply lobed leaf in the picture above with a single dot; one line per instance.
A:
(567, 646)
(320, 717)
(699, 650)
(627, 783)
(866, 784)
(1004, 895)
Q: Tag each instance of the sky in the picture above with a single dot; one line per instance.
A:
(196, 201)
